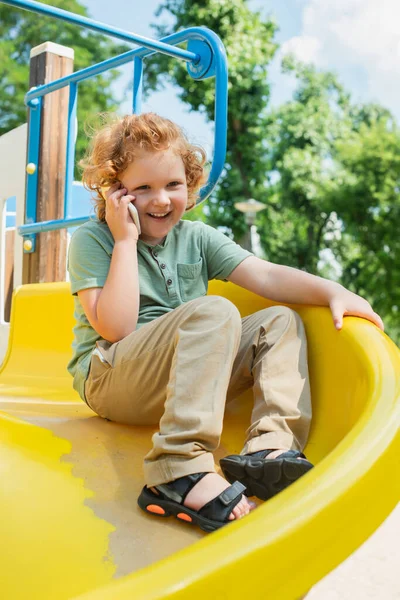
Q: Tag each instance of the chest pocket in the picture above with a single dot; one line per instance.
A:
(191, 283)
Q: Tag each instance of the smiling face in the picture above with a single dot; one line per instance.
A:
(158, 182)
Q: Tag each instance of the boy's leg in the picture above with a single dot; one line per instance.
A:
(272, 358)
(175, 371)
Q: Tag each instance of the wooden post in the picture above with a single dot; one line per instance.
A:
(48, 263)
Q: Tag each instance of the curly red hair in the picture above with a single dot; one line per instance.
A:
(121, 139)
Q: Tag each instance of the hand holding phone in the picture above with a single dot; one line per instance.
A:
(112, 196)
(135, 216)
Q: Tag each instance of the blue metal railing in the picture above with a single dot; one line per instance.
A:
(205, 57)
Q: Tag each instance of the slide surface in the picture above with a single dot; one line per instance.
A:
(70, 526)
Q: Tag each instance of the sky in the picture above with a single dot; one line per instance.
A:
(359, 40)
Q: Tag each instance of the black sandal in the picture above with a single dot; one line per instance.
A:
(171, 496)
(265, 478)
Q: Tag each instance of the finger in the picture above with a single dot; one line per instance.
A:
(337, 315)
(375, 318)
(121, 192)
(370, 315)
(113, 188)
(380, 323)
(117, 195)
(127, 199)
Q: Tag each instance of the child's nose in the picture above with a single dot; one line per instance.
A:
(161, 198)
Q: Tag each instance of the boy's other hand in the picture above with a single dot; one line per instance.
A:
(345, 302)
(117, 215)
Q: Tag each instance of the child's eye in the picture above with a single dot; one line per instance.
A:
(142, 187)
(174, 183)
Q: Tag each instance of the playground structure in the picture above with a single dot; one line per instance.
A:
(70, 525)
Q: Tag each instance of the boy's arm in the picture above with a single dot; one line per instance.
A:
(288, 285)
(113, 310)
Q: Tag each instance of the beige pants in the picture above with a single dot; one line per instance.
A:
(179, 370)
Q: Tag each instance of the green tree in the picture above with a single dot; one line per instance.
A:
(250, 48)
(336, 172)
(368, 204)
(22, 30)
(326, 170)
(301, 144)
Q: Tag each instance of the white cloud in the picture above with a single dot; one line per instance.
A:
(360, 40)
(306, 48)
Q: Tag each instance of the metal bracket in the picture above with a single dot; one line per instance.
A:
(205, 67)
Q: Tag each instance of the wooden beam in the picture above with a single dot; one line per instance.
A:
(48, 263)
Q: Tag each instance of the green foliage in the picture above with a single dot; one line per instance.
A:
(22, 30)
(248, 42)
(337, 189)
(301, 137)
(327, 170)
(369, 206)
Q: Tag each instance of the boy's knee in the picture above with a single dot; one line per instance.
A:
(224, 306)
(218, 306)
(287, 316)
(281, 314)
(285, 312)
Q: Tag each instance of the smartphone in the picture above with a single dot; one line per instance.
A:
(135, 216)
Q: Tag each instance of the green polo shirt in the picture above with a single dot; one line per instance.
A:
(173, 272)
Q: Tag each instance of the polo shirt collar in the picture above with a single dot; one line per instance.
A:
(160, 246)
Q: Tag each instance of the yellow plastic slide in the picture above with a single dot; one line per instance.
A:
(70, 526)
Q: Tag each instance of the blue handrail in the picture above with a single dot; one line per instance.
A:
(205, 57)
(64, 15)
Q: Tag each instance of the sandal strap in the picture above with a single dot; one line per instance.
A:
(178, 489)
(231, 493)
(293, 454)
(220, 507)
(287, 454)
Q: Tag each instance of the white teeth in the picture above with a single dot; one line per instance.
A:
(158, 214)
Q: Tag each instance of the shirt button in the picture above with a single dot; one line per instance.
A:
(163, 266)
(169, 281)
